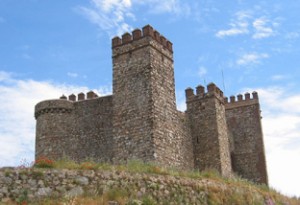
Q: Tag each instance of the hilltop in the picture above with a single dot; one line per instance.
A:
(134, 183)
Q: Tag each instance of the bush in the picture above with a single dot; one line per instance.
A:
(88, 166)
(44, 162)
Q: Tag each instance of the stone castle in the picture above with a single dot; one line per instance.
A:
(140, 120)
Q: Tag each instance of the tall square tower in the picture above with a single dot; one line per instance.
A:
(145, 114)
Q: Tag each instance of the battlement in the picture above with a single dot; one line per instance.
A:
(137, 34)
(241, 100)
(212, 90)
(61, 105)
(53, 106)
(80, 97)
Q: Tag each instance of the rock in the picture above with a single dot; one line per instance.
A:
(82, 180)
(31, 196)
(6, 180)
(76, 191)
(18, 181)
(5, 200)
(32, 182)
(143, 190)
(41, 183)
(89, 173)
(113, 203)
(23, 177)
(56, 182)
(4, 190)
(61, 189)
(42, 192)
(136, 202)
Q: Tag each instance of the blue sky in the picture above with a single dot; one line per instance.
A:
(51, 47)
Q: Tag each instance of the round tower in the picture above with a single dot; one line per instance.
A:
(54, 119)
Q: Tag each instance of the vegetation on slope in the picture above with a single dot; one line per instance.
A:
(217, 190)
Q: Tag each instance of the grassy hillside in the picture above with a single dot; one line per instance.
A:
(139, 183)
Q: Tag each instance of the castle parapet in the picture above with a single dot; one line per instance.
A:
(200, 90)
(91, 95)
(63, 97)
(137, 34)
(72, 97)
(53, 106)
(241, 100)
(81, 96)
(189, 93)
(63, 104)
(212, 90)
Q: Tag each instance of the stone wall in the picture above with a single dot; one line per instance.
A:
(184, 151)
(37, 184)
(93, 125)
(77, 130)
(206, 113)
(247, 146)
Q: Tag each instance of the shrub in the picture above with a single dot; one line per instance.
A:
(148, 201)
(88, 166)
(44, 162)
(23, 198)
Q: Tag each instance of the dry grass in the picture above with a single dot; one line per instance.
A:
(237, 191)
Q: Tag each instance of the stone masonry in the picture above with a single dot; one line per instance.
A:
(140, 120)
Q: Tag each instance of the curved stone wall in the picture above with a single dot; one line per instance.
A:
(54, 126)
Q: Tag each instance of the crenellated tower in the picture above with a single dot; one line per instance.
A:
(245, 131)
(145, 111)
(206, 112)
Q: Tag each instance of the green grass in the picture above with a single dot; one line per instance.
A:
(134, 166)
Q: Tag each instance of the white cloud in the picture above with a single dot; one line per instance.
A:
(4, 76)
(238, 26)
(251, 58)
(244, 22)
(180, 101)
(292, 35)
(26, 56)
(170, 6)
(262, 30)
(72, 75)
(113, 16)
(202, 71)
(110, 5)
(279, 77)
(236, 30)
(17, 123)
(281, 125)
(109, 15)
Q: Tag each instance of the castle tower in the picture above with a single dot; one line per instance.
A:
(247, 146)
(144, 98)
(53, 129)
(206, 113)
(75, 129)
